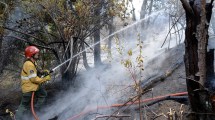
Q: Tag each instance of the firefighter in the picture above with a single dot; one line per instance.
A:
(31, 82)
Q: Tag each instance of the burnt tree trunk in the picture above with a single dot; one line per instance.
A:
(97, 49)
(96, 35)
(198, 15)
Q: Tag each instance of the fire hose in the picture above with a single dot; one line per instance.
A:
(32, 97)
(105, 107)
(32, 107)
(129, 103)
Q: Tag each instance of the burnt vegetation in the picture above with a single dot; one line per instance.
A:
(71, 29)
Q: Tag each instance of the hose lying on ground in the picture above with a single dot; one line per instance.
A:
(129, 103)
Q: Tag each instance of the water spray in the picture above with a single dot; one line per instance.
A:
(55, 68)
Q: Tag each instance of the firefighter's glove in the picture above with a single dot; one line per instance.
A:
(46, 74)
(47, 77)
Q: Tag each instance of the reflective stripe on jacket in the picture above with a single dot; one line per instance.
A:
(30, 80)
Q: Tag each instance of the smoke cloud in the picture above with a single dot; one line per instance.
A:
(112, 82)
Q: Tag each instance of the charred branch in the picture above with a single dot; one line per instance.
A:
(147, 84)
(27, 41)
(24, 40)
(84, 42)
(24, 34)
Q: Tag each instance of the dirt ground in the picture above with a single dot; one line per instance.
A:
(175, 83)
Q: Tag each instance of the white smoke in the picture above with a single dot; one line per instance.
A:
(111, 83)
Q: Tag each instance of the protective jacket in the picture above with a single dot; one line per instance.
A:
(30, 80)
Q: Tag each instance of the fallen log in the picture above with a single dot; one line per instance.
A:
(154, 80)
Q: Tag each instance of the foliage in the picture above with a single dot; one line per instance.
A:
(52, 26)
(76, 19)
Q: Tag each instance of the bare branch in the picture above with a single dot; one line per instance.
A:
(171, 28)
(24, 34)
(55, 53)
(22, 39)
(151, 82)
